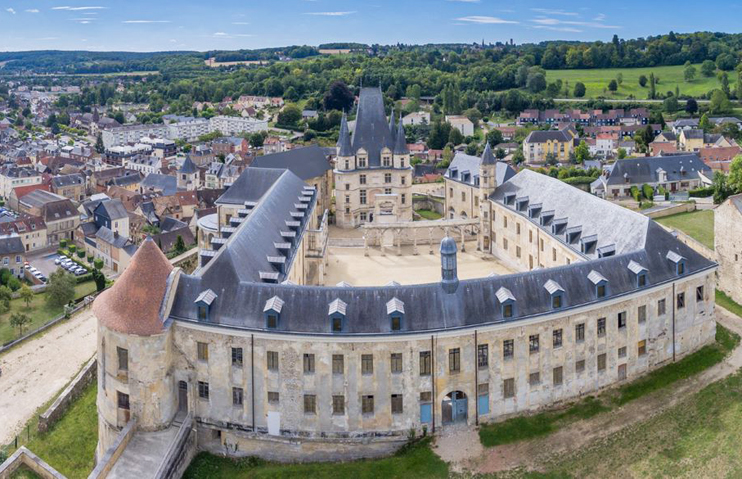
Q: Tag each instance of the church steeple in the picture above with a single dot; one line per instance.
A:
(487, 157)
(391, 123)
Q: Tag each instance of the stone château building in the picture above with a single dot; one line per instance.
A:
(269, 367)
(373, 175)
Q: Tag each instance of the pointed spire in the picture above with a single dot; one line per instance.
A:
(187, 167)
(487, 157)
(400, 143)
(343, 144)
(391, 123)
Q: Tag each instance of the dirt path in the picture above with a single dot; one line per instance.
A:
(35, 371)
(532, 455)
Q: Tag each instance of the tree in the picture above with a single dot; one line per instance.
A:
(60, 289)
(310, 135)
(579, 89)
(582, 152)
(179, 246)
(256, 140)
(99, 148)
(670, 105)
(642, 81)
(26, 294)
(621, 153)
(536, 82)
(726, 61)
(100, 280)
(518, 157)
(613, 85)
(19, 320)
(724, 80)
(705, 123)
(5, 297)
(439, 133)
(708, 68)
(290, 115)
(719, 103)
(734, 181)
(689, 73)
(652, 86)
(691, 106)
(720, 187)
(619, 78)
(338, 97)
(494, 137)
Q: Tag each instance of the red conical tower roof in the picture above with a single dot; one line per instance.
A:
(132, 305)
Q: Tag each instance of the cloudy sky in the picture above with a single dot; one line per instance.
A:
(154, 25)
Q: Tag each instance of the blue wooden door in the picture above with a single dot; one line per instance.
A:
(484, 404)
(425, 413)
(459, 407)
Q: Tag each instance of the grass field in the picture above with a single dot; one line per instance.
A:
(597, 80)
(428, 214)
(699, 225)
(538, 425)
(416, 461)
(37, 311)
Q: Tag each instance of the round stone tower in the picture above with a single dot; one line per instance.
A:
(449, 276)
(134, 348)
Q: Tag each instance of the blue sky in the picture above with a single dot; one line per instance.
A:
(139, 25)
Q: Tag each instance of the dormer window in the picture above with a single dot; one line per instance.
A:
(521, 204)
(336, 314)
(272, 312)
(640, 272)
(558, 226)
(606, 251)
(507, 302)
(534, 210)
(556, 292)
(573, 234)
(600, 283)
(509, 198)
(588, 244)
(203, 304)
(547, 217)
(395, 311)
(679, 262)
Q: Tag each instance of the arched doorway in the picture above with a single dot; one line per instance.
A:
(454, 407)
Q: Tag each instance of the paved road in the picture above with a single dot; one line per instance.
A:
(619, 100)
(34, 372)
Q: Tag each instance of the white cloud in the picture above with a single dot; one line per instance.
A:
(76, 9)
(240, 23)
(48, 38)
(329, 14)
(32, 10)
(220, 34)
(10, 10)
(465, 1)
(549, 11)
(600, 17)
(146, 21)
(484, 20)
(556, 21)
(558, 29)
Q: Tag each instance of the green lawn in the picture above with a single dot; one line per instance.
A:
(699, 225)
(670, 76)
(429, 214)
(38, 311)
(537, 425)
(416, 461)
(69, 446)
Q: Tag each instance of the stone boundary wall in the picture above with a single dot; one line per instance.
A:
(181, 452)
(428, 202)
(113, 453)
(24, 457)
(70, 393)
(693, 243)
(672, 210)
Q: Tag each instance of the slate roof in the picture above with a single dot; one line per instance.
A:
(542, 136)
(157, 182)
(116, 240)
(112, 209)
(644, 170)
(187, 167)
(462, 162)
(306, 163)
(372, 131)
(11, 245)
(68, 180)
(250, 186)
(232, 273)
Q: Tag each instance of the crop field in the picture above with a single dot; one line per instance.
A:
(596, 81)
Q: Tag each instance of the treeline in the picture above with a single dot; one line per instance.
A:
(77, 62)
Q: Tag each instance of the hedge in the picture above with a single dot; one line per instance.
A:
(635, 194)
(579, 180)
(701, 192)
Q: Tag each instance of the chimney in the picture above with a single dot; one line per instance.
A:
(449, 277)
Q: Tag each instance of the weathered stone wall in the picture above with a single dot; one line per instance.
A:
(71, 392)
(728, 248)
(24, 457)
(462, 200)
(427, 202)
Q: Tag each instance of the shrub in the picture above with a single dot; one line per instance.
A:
(635, 194)
(98, 263)
(648, 191)
(81, 254)
(72, 248)
(701, 192)
(62, 243)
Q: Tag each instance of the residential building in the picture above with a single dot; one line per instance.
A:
(540, 145)
(73, 187)
(12, 254)
(461, 123)
(31, 230)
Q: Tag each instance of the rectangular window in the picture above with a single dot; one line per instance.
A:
(396, 362)
(387, 178)
(622, 352)
(123, 400)
(580, 332)
(308, 363)
(203, 390)
(367, 363)
(237, 357)
(681, 300)
(601, 327)
(642, 347)
(403, 198)
(557, 338)
(601, 362)
(362, 179)
(508, 388)
(425, 363)
(397, 404)
(310, 404)
(505, 243)
(362, 196)
(534, 379)
(396, 323)
(622, 319)
(272, 360)
(553, 254)
(530, 236)
(508, 349)
(533, 343)
(580, 366)
(482, 356)
(454, 360)
(517, 228)
(699, 294)
(203, 351)
(517, 251)
(367, 404)
(557, 376)
(642, 313)
(237, 396)
(338, 364)
(387, 191)
(273, 397)
(338, 405)
(661, 307)
(123, 357)
(463, 196)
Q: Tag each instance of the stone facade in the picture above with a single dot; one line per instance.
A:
(728, 246)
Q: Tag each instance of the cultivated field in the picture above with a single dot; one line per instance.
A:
(596, 81)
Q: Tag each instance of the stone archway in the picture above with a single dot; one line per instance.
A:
(454, 408)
